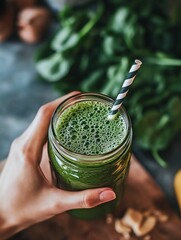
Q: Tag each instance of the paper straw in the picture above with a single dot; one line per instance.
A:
(124, 90)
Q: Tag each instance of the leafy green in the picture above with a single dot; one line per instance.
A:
(94, 48)
(54, 67)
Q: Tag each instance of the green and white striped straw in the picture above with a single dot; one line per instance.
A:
(124, 90)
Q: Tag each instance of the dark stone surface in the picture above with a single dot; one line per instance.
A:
(21, 93)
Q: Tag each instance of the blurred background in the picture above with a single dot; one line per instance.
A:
(48, 48)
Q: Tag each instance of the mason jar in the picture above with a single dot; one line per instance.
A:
(74, 171)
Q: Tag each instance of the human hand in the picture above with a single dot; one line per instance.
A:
(27, 194)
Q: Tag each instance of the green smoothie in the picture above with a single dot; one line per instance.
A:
(87, 150)
(85, 129)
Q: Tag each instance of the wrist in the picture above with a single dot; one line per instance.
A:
(9, 221)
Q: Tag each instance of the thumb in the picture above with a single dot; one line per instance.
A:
(82, 199)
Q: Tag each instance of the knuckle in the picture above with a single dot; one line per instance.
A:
(15, 144)
(20, 149)
(27, 150)
(86, 201)
(44, 110)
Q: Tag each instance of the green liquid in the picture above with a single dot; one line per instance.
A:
(84, 128)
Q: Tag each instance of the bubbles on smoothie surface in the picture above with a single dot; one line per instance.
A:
(83, 128)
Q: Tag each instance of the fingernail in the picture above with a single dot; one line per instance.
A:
(107, 195)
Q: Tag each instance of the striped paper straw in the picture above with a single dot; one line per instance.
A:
(124, 90)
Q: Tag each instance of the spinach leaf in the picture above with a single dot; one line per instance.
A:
(54, 67)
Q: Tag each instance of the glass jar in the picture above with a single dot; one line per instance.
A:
(74, 171)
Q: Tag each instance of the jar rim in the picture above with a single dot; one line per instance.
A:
(97, 158)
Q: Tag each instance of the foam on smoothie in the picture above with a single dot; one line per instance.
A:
(83, 128)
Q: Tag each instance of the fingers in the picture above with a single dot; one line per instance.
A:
(35, 136)
(82, 199)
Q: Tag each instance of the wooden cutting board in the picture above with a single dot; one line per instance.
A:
(142, 193)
